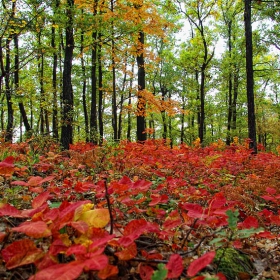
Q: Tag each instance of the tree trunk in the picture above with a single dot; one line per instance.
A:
(100, 91)
(84, 87)
(10, 119)
(54, 79)
(250, 77)
(141, 104)
(16, 77)
(67, 90)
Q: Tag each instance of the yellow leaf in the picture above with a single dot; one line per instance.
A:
(98, 218)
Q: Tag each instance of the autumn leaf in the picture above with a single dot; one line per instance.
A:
(128, 253)
(37, 229)
(98, 218)
(68, 271)
(7, 166)
(108, 271)
(175, 266)
(2, 236)
(249, 222)
(200, 263)
(9, 210)
(40, 199)
(146, 272)
(20, 253)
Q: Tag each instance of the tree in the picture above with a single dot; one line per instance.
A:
(67, 90)
(250, 77)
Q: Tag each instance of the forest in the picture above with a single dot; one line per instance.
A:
(139, 140)
(112, 70)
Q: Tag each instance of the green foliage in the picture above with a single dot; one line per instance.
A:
(161, 273)
(232, 262)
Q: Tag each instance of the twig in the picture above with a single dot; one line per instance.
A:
(109, 206)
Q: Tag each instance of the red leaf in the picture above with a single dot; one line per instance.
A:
(134, 226)
(82, 187)
(175, 266)
(35, 181)
(2, 236)
(80, 226)
(128, 253)
(249, 222)
(7, 166)
(9, 210)
(200, 263)
(19, 183)
(129, 239)
(97, 263)
(218, 201)
(155, 199)
(271, 191)
(37, 229)
(40, 199)
(68, 271)
(21, 252)
(146, 272)
(142, 185)
(194, 210)
(108, 271)
(76, 250)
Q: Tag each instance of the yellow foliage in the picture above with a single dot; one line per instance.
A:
(97, 218)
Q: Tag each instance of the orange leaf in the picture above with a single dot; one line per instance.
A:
(40, 199)
(9, 210)
(128, 253)
(108, 271)
(20, 253)
(34, 229)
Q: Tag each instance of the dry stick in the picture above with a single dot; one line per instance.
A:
(109, 206)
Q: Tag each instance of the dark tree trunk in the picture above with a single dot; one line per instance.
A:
(10, 111)
(67, 90)
(100, 92)
(250, 77)
(84, 88)
(230, 102)
(16, 77)
(54, 79)
(141, 104)
(93, 111)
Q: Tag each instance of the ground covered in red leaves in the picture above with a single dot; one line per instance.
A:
(138, 211)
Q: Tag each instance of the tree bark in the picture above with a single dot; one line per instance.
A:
(67, 90)
(141, 126)
(250, 77)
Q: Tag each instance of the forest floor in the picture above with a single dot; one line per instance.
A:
(138, 211)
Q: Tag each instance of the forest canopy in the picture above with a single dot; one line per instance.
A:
(78, 70)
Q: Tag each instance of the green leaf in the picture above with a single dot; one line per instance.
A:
(161, 273)
(245, 233)
(55, 204)
(232, 219)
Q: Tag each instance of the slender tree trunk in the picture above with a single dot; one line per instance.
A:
(67, 90)
(230, 104)
(100, 91)
(250, 77)
(54, 79)
(24, 118)
(128, 136)
(10, 111)
(84, 89)
(141, 104)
